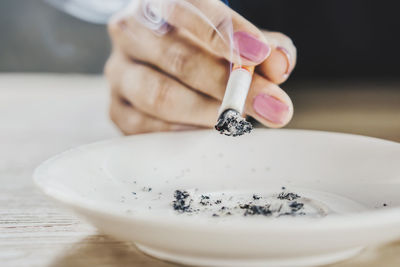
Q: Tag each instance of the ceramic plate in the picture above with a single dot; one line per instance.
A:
(270, 198)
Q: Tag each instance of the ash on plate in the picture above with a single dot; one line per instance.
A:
(241, 204)
(288, 196)
(182, 201)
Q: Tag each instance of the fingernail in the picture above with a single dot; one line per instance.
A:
(286, 53)
(250, 47)
(270, 108)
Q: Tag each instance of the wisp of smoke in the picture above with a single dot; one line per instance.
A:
(154, 14)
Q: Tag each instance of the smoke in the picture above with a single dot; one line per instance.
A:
(155, 14)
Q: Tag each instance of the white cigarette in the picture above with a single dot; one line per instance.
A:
(237, 89)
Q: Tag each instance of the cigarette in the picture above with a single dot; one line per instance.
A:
(230, 122)
(237, 88)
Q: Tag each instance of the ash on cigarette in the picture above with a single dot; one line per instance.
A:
(243, 204)
(230, 123)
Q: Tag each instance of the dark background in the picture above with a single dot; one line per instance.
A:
(339, 38)
(335, 39)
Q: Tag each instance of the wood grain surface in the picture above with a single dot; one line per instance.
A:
(42, 115)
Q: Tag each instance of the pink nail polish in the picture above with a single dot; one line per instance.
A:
(250, 47)
(286, 53)
(270, 108)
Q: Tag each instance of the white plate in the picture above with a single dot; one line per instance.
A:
(355, 179)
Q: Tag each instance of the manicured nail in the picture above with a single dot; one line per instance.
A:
(270, 108)
(286, 53)
(250, 47)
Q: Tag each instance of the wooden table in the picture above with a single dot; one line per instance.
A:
(41, 115)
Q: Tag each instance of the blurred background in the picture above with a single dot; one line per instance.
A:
(335, 39)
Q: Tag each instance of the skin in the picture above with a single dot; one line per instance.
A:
(177, 81)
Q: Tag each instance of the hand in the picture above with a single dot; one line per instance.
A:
(176, 81)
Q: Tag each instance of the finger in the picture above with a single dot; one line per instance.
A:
(278, 66)
(159, 95)
(211, 22)
(174, 54)
(268, 103)
(132, 121)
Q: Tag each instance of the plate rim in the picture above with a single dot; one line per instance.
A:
(389, 216)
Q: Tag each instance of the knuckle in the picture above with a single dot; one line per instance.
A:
(133, 123)
(178, 59)
(128, 123)
(113, 27)
(117, 69)
(113, 69)
(221, 26)
(161, 99)
(116, 29)
(109, 66)
(113, 113)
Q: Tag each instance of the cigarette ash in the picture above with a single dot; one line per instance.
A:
(147, 189)
(230, 123)
(182, 201)
(243, 204)
(288, 196)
